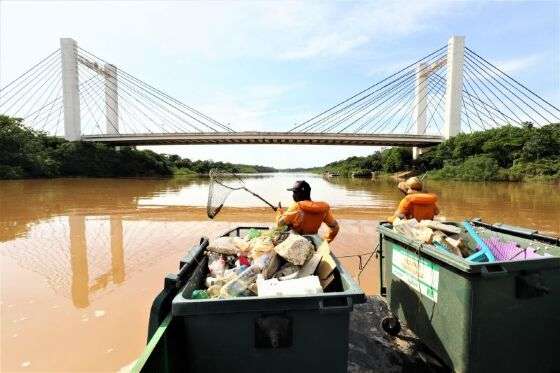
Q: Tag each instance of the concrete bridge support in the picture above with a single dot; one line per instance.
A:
(420, 104)
(453, 91)
(70, 90)
(454, 88)
(111, 99)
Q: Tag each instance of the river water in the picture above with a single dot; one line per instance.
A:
(82, 259)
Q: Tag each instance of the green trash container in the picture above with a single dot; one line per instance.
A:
(251, 334)
(477, 317)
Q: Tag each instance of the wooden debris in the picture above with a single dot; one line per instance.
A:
(327, 264)
(327, 281)
(458, 245)
(436, 225)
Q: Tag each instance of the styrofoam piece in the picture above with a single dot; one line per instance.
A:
(301, 286)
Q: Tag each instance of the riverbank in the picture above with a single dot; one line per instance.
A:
(507, 153)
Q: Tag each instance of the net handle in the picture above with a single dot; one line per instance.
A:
(262, 199)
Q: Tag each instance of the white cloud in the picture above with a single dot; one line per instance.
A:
(130, 32)
(518, 64)
(253, 108)
(339, 32)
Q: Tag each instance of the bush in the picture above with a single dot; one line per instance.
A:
(476, 168)
(28, 153)
(11, 172)
(543, 169)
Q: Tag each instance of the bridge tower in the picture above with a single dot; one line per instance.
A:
(71, 90)
(420, 103)
(453, 91)
(454, 88)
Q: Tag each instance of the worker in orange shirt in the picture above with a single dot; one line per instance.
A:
(416, 204)
(305, 216)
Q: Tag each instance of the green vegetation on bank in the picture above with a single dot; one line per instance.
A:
(184, 166)
(502, 154)
(25, 153)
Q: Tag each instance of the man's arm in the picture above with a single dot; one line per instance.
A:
(402, 211)
(289, 217)
(331, 222)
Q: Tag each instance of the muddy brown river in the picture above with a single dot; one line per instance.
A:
(82, 259)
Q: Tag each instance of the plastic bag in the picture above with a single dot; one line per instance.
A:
(199, 294)
(260, 246)
(253, 233)
(223, 245)
(413, 229)
(295, 249)
(216, 265)
(214, 291)
(228, 245)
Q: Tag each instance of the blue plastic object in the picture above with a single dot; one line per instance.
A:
(440, 246)
(484, 254)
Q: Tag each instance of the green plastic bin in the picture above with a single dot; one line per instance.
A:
(250, 334)
(477, 317)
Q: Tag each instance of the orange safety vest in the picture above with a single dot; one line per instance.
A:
(420, 206)
(305, 217)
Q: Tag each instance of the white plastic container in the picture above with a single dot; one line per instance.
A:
(300, 286)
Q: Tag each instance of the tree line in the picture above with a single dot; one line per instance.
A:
(506, 153)
(26, 153)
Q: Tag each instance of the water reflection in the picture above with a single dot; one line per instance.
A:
(78, 261)
(80, 285)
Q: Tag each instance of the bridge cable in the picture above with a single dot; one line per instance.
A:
(395, 83)
(469, 65)
(150, 89)
(490, 74)
(95, 94)
(380, 92)
(367, 89)
(509, 78)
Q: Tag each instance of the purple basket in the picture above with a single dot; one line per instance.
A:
(504, 251)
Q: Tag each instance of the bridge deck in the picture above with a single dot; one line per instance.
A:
(266, 138)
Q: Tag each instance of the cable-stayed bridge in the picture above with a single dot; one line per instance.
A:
(76, 94)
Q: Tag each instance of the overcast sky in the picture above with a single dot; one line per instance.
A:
(269, 65)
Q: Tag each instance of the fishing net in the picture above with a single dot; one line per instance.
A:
(222, 184)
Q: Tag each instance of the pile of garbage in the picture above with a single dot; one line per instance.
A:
(465, 241)
(266, 263)
(444, 236)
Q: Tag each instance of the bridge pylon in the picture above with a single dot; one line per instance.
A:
(70, 89)
(453, 91)
(454, 86)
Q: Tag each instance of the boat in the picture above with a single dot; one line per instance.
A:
(330, 175)
(249, 334)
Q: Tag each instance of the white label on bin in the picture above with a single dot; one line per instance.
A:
(419, 273)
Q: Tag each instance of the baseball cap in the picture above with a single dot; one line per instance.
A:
(300, 186)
